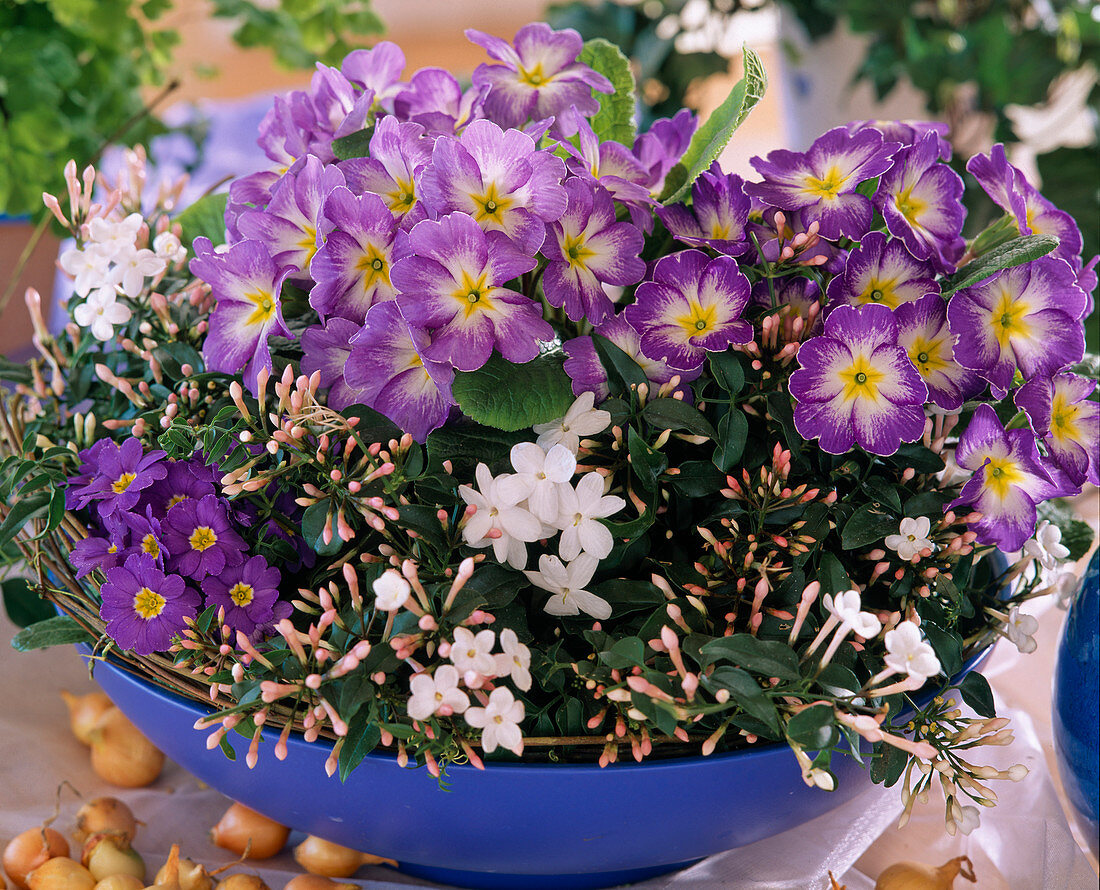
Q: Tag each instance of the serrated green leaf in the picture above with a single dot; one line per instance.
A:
(512, 397)
(61, 630)
(615, 120)
(1012, 253)
(206, 218)
(713, 136)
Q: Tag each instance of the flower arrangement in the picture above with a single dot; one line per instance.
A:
(481, 426)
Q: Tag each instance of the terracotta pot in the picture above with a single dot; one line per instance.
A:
(15, 322)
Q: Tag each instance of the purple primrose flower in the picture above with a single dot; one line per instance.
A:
(248, 593)
(908, 132)
(1067, 422)
(144, 608)
(660, 147)
(377, 70)
(326, 349)
(924, 335)
(434, 99)
(200, 538)
(185, 479)
(718, 216)
(398, 152)
(114, 476)
(856, 386)
(882, 270)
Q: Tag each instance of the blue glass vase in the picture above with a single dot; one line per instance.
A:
(1077, 704)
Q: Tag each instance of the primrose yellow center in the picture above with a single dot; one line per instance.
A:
(881, 290)
(149, 545)
(373, 267)
(175, 499)
(241, 593)
(909, 206)
(203, 538)
(265, 307)
(575, 251)
(491, 205)
(720, 231)
(474, 294)
(534, 77)
(930, 356)
(402, 198)
(148, 603)
(1064, 419)
(1009, 318)
(308, 242)
(828, 186)
(1000, 474)
(861, 380)
(122, 482)
(699, 320)
(113, 548)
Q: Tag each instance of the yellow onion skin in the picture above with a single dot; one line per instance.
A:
(192, 876)
(61, 873)
(918, 876)
(26, 851)
(168, 876)
(120, 882)
(104, 814)
(316, 882)
(109, 854)
(321, 857)
(248, 834)
(242, 882)
(84, 711)
(121, 755)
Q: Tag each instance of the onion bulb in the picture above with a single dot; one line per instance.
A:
(26, 851)
(168, 878)
(120, 882)
(61, 873)
(192, 876)
(111, 854)
(316, 882)
(321, 857)
(121, 755)
(248, 834)
(84, 711)
(918, 876)
(104, 814)
(243, 882)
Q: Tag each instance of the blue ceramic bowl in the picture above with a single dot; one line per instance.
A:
(515, 826)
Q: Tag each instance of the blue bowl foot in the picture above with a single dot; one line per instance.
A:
(493, 881)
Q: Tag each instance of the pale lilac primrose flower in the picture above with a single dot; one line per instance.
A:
(579, 513)
(377, 70)
(924, 334)
(882, 270)
(352, 268)
(472, 653)
(391, 591)
(611, 165)
(436, 693)
(545, 473)
(660, 147)
(452, 285)
(1008, 480)
(1067, 422)
(921, 200)
(326, 349)
(246, 282)
(907, 132)
(587, 248)
(144, 608)
(90, 268)
(718, 216)
(1020, 629)
(499, 520)
(248, 592)
(499, 722)
(500, 179)
(434, 99)
(398, 152)
(101, 312)
(692, 306)
(566, 584)
(581, 420)
(539, 76)
(821, 183)
(912, 537)
(388, 369)
(908, 653)
(1046, 546)
(856, 386)
(133, 266)
(1025, 318)
(515, 661)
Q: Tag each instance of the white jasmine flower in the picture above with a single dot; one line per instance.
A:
(846, 607)
(391, 591)
(114, 236)
(545, 473)
(962, 818)
(101, 312)
(498, 520)
(566, 583)
(134, 266)
(1021, 628)
(471, 653)
(811, 775)
(90, 269)
(908, 653)
(1064, 586)
(433, 692)
(912, 537)
(515, 660)
(1047, 546)
(499, 721)
(167, 246)
(580, 420)
(579, 512)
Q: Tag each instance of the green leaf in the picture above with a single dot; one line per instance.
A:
(362, 738)
(733, 430)
(746, 693)
(764, 657)
(888, 764)
(813, 728)
(625, 595)
(647, 463)
(513, 397)
(976, 693)
(22, 512)
(622, 371)
(831, 574)
(947, 645)
(625, 653)
(313, 526)
(713, 136)
(866, 526)
(673, 414)
(1012, 253)
(698, 479)
(615, 119)
(354, 145)
(23, 603)
(61, 630)
(206, 217)
(727, 370)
